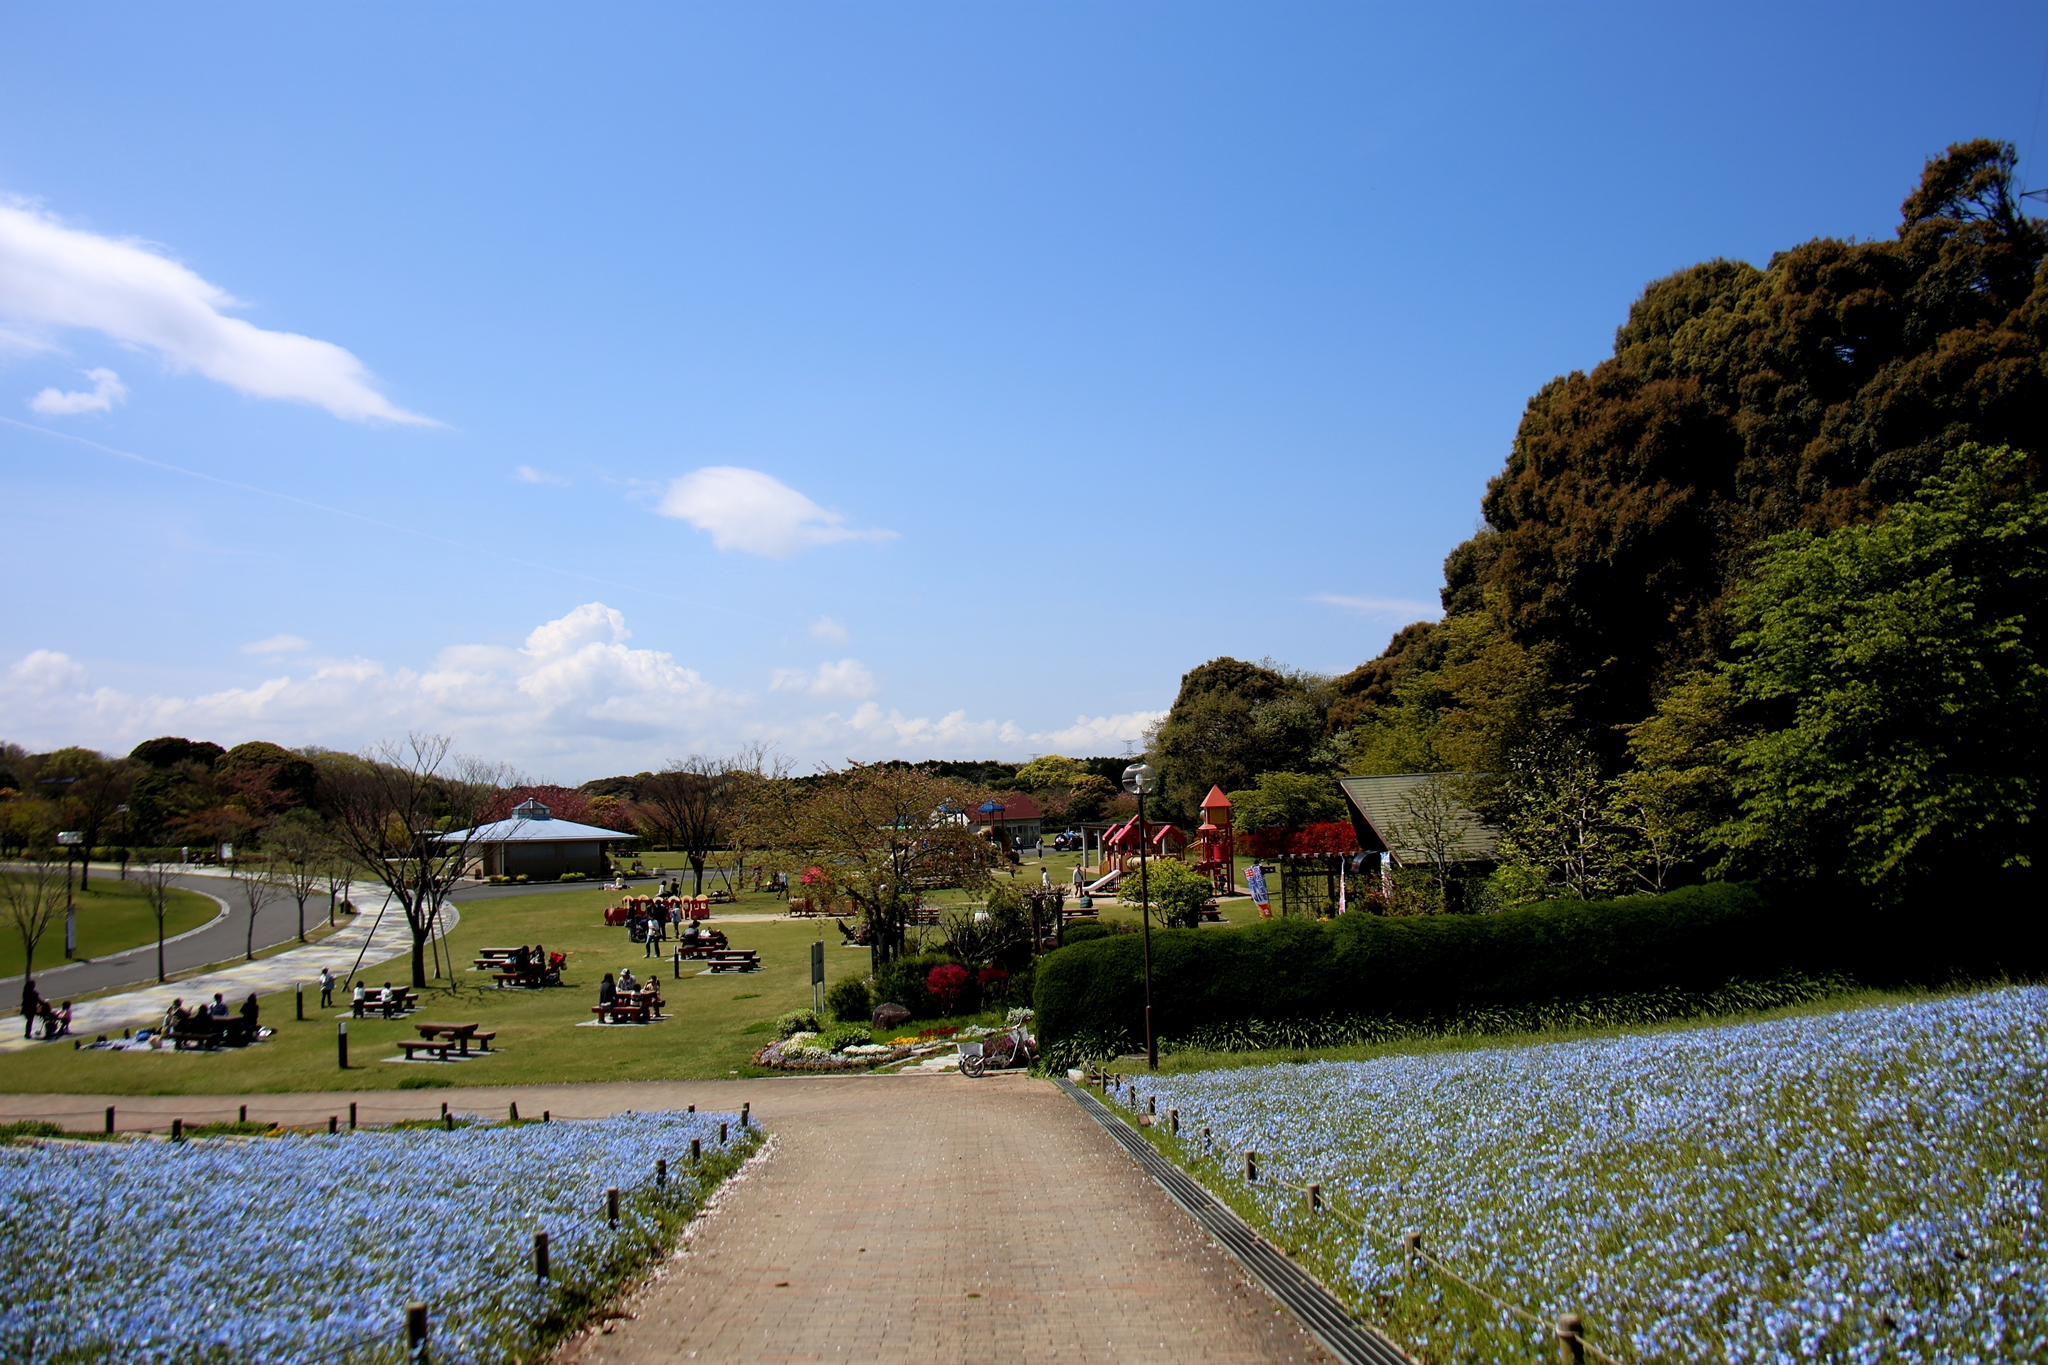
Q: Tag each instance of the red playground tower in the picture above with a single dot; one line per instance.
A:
(1218, 847)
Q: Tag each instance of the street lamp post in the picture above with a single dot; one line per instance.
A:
(1139, 779)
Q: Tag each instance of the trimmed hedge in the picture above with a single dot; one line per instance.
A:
(1440, 968)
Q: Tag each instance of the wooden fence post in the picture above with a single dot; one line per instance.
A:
(1571, 1347)
(540, 1253)
(1411, 1247)
(416, 1334)
(1251, 1168)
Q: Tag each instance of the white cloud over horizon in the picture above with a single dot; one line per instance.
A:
(574, 701)
(829, 630)
(53, 276)
(845, 678)
(107, 390)
(756, 513)
(526, 473)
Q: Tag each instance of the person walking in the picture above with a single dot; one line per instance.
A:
(326, 989)
(31, 1007)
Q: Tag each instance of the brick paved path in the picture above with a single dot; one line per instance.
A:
(886, 1206)
(881, 1207)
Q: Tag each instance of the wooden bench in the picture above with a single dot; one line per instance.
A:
(440, 1049)
(619, 1010)
(736, 960)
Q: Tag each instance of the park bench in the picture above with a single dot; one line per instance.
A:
(736, 960)
(440, 1049)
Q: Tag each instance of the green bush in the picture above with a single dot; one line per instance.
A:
(1418, 969)
(1176, 890)
(845, 1035)
(848, 1000)
(1082, 932)
(796, 1021)
(902, 982)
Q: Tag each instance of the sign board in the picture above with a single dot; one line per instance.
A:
(818, 962)
(70, 838)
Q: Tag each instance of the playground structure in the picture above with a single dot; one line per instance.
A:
(1217, 843)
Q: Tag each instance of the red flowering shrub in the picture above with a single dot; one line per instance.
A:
(994, 983)
(948, 985)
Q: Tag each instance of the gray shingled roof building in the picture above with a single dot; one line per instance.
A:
(1383, 814)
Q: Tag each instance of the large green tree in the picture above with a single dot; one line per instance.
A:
(1741, 403)
(1232, 721)
(1891, 678)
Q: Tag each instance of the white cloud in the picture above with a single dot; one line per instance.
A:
(45, 670)
(277, 644)
(846, 678)
(574, 700)
(526, 473)
(1382, 606)
(53, 276)
(747, 510)
(829, 630)
(107, 390)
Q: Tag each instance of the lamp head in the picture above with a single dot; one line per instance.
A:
(1141, 779)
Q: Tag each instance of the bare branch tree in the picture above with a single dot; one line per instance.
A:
(254, 881)
(880, 833)
(156, 889)
(32, 895)
(407, 814)
(1432, 819)
(297, 841)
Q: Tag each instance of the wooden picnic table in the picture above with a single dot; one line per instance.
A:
(441, 1039)
(641, 1007)
(390, 1004)
(735, 960)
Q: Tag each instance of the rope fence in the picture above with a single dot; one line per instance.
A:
(1569, 1328)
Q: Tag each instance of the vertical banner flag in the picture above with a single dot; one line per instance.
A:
(1255, 882)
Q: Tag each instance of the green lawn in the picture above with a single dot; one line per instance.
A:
(112, 916)
(717, 1022)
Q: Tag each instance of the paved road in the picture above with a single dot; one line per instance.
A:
(882, 1208)
(223, 939)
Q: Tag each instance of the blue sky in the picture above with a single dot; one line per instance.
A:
(602, 384)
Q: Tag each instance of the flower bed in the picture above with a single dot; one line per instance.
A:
(1857, 1187)
(853, 1059)
(309, 1247)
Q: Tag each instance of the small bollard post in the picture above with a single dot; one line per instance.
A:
(351, 1116)
(333, 1124)
(447, 1120)
(341, 1041)
(515, 1111)
(242, 1114)
(696, 1151)
(611, 1205)
(693, 1108)
(661, 1173)
(1411, 1248)
(721, 1135)
(1205, 1135)
(444, 1109)
(540, 1253)
(746, 1113)
(1315, 1197)
(1152, 1105)
(416, 1334)
(546, 1116)
(299, 989)
(1173, 1122)
(1571, 1347)
(177, 1130)
(1251, 1168)
(110, 1120)
(679, 964)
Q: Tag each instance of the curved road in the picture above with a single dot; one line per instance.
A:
(223, 939)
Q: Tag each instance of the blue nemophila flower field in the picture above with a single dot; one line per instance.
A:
(308, 1248)
(1857, 1187)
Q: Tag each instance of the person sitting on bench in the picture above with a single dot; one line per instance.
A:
(249, 1014)
(607, 991)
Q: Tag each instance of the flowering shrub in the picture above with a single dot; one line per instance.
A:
(994, 983)
(1854, 1187)
(947, 984)
(308, 1247)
